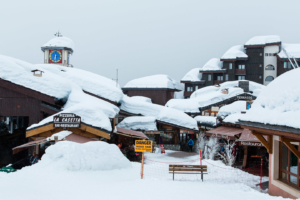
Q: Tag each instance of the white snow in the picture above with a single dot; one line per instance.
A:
(155, 81)
(233, 119)
(235, 107)
(193, 76)
(263, 40)
(293, 50)
(179, 95)
(60, 135)
(139, 123)
(60, 42)
(213, 65)
(141, 98)
(235, 52)
(210, 120)
(279, 102)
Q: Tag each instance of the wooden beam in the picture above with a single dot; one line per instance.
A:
(39, 130)
(291, 147)
(263, 141)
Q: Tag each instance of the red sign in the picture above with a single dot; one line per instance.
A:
(55, 56)
(162, 148)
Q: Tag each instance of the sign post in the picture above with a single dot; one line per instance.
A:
(143, 146)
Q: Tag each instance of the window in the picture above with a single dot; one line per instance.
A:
(230, 65)
(260, 54)
(259, 77)
(289, 65)
(241, 66)
(188, 89)
(270, 67)
(266, 54)
(285, 65)
(260, 65)
(196, 87)
(226, 77)
(288, 170)
(269, 78)
(220, 78)
(192, 89)
(241, 77)
(209, 77)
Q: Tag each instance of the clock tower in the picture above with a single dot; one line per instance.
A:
(58, 50)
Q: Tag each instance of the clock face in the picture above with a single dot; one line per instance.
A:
(55, 56)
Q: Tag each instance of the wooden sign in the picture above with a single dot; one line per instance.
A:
(143, 146)
(154, 132)
(162, 148)
(182, 131)
(66, 120)
(253, 144)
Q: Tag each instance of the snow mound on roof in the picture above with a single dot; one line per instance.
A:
(90, 156)
(60, 135)
(235, 52)
(279, 102)
(155, 81)
(60, 42)
(233, 119)
(88, 81)
(293, 50)
(212, 65)
(141, 98)
(263, 40)
(193, 75)
(19, 72)
(139, 123)
(206, 120)
(235, 107)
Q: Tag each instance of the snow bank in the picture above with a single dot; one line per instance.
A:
(141, 98)
(93, 156)
(213, 65)
(139, 123)
(193, 75)
(155, 81)
(60, 135)
(60, 42)
(235, 107)
(263, 40)
(209, 120)
(292, 49)
(279, 102)
(235, 52)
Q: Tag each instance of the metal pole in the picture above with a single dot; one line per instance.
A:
(142, 167)
(201, 165)
(261, 173)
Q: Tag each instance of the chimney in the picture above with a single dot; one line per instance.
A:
(244, 85)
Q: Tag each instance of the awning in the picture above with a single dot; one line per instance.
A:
(248, 139)
(131, 133)
(224, 132)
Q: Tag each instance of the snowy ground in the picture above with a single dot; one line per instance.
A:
(48, 183)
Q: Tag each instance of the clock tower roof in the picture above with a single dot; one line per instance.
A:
(60, 43)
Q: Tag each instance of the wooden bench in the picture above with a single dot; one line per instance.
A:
(188, 169)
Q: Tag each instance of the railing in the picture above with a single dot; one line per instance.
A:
(218, 82)
(240, 71)
(187, 93)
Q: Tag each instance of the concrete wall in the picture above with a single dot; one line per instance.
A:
(270, 60)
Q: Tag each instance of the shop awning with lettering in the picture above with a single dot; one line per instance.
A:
(248, 139)
(224, 132)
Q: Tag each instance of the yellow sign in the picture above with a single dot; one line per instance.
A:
(143, 146)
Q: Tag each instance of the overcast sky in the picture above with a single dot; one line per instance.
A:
(143, 37)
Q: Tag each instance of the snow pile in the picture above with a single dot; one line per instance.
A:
(60, 135)
(279, 102)
(235, 107)
(179, 95)
(235, 52)
(263, 40)
(19, 72)
(139, 123)
(155, 81)
(193, 75)
(213, 64)
(60, 42)
(206, 120)
(293, 50)
(93, 156)
(233, 119)
(141, 98)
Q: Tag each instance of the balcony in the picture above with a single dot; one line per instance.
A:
(218, 82)
(187, 93)
(240, 72)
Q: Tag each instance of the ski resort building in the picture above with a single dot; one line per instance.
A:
(261, 59)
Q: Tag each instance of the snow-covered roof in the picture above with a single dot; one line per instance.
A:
(139, 123)
(155, 81)
(293, 50)
(278, 103)
(211, 95)
(161, 113)
(206, 120)
(233, 119)
(263, 40)
(235, 107)
(141, 98)
(213, 64)
(193, 75)
(88, 81)
(60, 42)
(235, 52)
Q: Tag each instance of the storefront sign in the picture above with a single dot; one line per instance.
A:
(254, 144)
(66, 120)
(244, 97)
(162, 148)
(143, 146)
(182, 131)
(154, 132)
